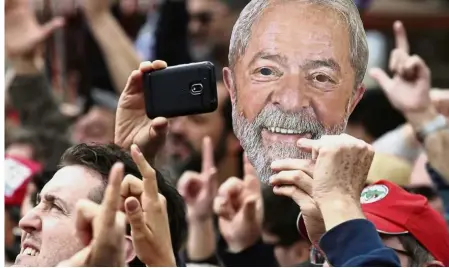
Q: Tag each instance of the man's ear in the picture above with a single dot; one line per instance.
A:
(357, 96)
(130, 253)
(229, 82)
(434, 264)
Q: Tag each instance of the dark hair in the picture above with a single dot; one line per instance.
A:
(280, 214)
(101, 158)
(419, 254)
(227, 115)
(236, 5)
(427, 191)
(226, 110)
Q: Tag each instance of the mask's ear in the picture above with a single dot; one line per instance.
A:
(357, 96)
(229, 82)
(130, 253)
(434, 264)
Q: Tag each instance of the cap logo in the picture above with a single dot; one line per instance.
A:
(373, 194)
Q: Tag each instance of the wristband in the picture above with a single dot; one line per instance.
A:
(439, 123)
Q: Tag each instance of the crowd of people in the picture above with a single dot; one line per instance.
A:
(301, 164)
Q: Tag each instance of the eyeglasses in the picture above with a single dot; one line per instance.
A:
(317, 257)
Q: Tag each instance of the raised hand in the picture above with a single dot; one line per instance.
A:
(23, 34)
(95, 8)
(200, 189)
(132, 126)
(408, 89)
(239, 207)
(341, 168)
(293, 179)
(101, 228)
(146, 211)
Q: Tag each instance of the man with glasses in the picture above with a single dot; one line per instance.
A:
(405, 222)
(210, 28)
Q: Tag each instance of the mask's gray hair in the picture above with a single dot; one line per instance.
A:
(241, 33)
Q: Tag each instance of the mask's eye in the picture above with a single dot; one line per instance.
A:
(266, 74)
(266, 71)
(322, 78)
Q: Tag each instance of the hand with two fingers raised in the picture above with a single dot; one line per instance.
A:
(146, 211)
(408, 89)
(200, 189)
(239, 208)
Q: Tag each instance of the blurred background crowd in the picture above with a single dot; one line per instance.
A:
(67, 62)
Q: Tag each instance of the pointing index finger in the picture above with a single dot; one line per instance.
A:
(111, 198)
(248, 169)
(207, 155)
(401, 36)
(148, 173)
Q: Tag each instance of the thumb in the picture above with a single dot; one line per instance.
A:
(134, 214)
(250, 209)
(381, 78)
(188, 180)
(50, 27)
(156, 138)
(159, 127)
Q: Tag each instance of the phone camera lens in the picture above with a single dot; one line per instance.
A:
(196, 89)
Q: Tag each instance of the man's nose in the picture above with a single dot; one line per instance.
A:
(177, 125)
(31, 221)
(292, 96)
(194, 26)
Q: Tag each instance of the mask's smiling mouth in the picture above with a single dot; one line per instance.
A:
(283, 135)
(279, 130)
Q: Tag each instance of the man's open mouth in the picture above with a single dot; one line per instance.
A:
(30, 251)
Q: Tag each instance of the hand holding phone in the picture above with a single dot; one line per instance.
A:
(180, 90)
(132, 126)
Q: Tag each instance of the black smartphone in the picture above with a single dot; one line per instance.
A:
(181, 90)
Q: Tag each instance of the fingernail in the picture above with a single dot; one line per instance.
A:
(132, 205)
(119, 165)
